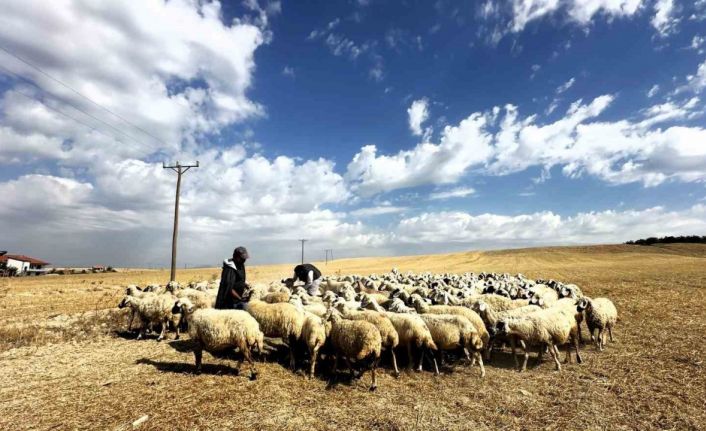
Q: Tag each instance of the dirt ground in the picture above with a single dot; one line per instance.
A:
(65, 362)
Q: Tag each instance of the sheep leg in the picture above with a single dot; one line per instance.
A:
(314, 353)
(578, 354)
(524, 362)
(477, 356)
(514, 353)
(164, 330)
(436, 365)
(198, 355)
(394, 362)
(335, 367)
(132, 317)
(410, 359)
(610, 332)
(350, 367)
(177, 329)
(553, 350)
(599, 340)
(248, 357)
(292, 345)
(373, 372)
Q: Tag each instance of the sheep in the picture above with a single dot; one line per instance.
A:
(451, 332)
(313, 331)
(198, 298)
(551, 327)
(152, 309)
(390, 338)
(543, 296)
(280, 320)
(134, 290)
(305, 304)
(499, 303)
(221, 330)
(411, 329)
(355, 340)
(491, 318)
(422, 307)
(601, 314)
(275, 297)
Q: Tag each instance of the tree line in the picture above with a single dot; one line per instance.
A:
(692, 239)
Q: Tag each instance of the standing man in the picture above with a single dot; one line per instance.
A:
(310, 275)
(230, 292)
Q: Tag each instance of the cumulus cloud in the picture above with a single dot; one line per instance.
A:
(418, 113)
(500, 142)
(546, 227)
(664, 20)
(180, 86)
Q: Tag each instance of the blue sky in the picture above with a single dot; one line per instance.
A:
(369, 127)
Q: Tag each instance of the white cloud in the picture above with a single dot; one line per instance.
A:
(500, 142)
(543, 228)
(565, 86)
(580, 12)
(697, 42)
(525, 11)
(664, 20)
(460, 147)
(583, 11)
(376, 211)
(697, 81)
(458, 192)
(418, 113)
(653, 91)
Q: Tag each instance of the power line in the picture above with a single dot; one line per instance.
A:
(72, 105)
(58, 111)
(38, 69)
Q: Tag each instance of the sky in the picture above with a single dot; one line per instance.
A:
(368, 127)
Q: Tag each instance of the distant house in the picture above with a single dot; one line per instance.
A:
(23, 265)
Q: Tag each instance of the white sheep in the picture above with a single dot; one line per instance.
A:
(153, 309)
(551, 327)
(422, 307)
(601, 314)
(355, 340)
(221, 330)
(451, 332)
(390, 338)
(313, 332)
(279, 320)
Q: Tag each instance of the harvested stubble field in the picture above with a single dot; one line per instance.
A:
(65, 364)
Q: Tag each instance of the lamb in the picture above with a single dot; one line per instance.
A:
(601, 314)
(355, 340)
(451, 332)
(390, 338)
(280, 320)
(221, 330)
(551, 327)
(302, 303)
(153, 309)
(422, 307)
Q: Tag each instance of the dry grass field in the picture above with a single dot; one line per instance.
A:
(66, 364)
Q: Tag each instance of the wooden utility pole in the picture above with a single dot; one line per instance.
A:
(329, 251)
(180, 170)
(303, 241)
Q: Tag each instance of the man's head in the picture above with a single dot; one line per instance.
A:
(240, 254)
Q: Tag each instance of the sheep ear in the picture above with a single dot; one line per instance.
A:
(540, 302)
(482, 306)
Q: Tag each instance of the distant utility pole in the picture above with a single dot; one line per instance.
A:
(329, 251)
(180, 170)
(303, 241)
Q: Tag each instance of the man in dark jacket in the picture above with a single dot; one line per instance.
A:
(230, 292)
(310, 275)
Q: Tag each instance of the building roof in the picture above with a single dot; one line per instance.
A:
(22, 258)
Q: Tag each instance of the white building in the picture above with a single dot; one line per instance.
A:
(24, 265)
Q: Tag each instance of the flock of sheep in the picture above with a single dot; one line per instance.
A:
(358, 318)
